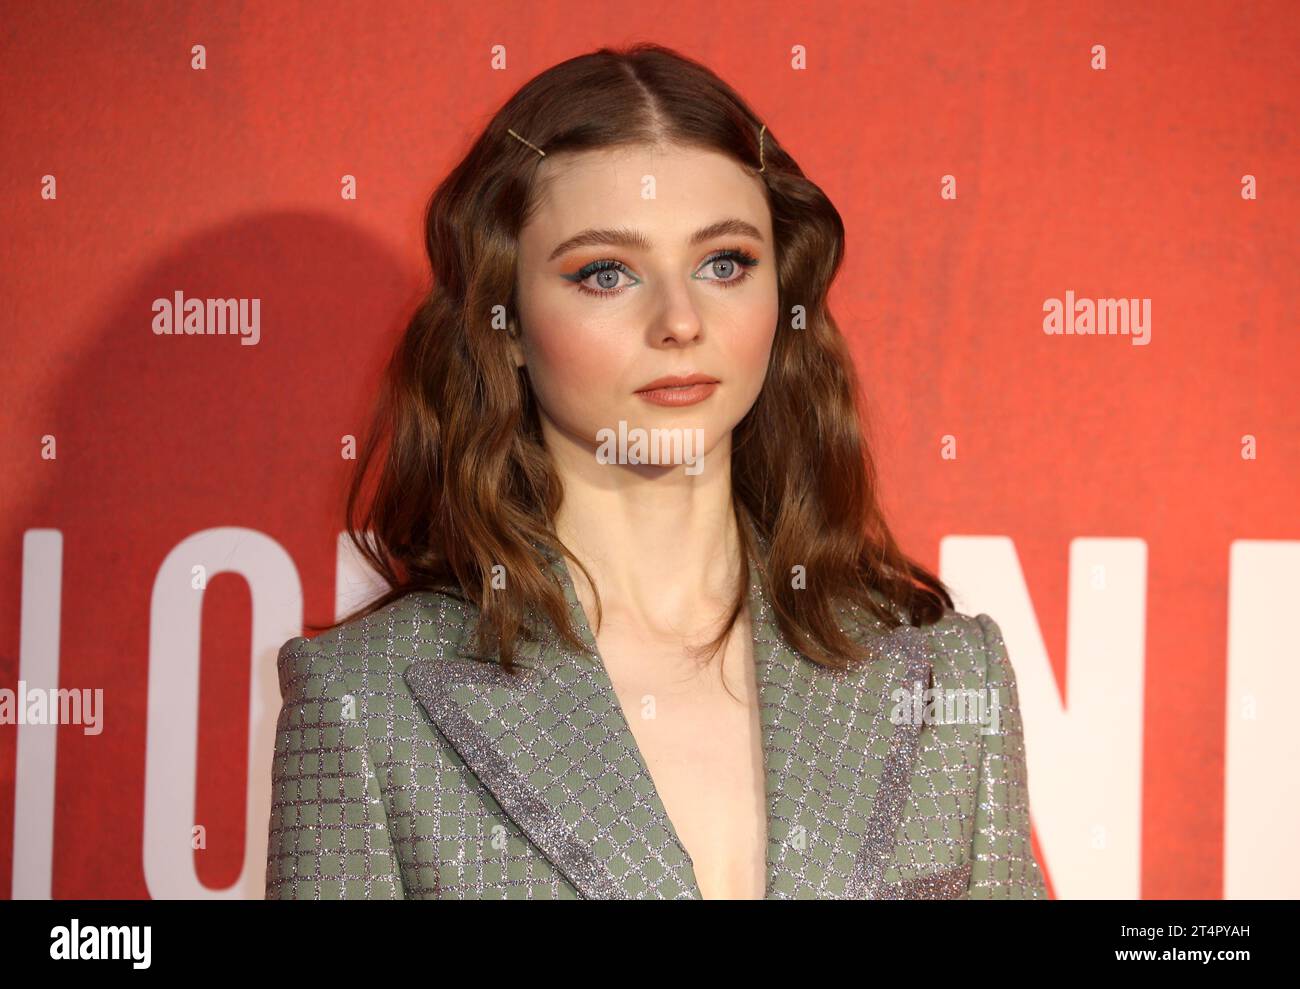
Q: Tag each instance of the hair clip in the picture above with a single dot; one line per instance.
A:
(529, 143)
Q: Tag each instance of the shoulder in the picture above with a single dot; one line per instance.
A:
(367, 653)
(969, 648)
(962, 648)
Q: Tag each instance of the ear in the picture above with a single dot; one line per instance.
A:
(515, 343)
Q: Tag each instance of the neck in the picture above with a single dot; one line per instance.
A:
(661, 545)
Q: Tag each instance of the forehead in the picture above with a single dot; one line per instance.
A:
(668, 189)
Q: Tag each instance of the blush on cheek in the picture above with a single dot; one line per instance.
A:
(570, 370)
(570, 356)
(751, 350)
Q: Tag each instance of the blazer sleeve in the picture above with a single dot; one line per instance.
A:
(1004, 866)
(328, 832)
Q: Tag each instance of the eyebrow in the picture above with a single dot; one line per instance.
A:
(636, 240)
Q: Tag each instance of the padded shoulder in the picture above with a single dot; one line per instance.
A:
(379, 644)
(960, 647)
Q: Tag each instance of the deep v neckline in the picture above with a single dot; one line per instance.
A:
(754, 600)
(552, 748)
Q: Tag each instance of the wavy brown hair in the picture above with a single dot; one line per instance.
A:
(465, 483)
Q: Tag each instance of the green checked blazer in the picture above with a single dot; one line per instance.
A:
(406, 768)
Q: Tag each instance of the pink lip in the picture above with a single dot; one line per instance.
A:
(687, 395)
(676, 390)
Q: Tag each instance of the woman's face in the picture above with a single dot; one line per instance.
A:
(638, 264)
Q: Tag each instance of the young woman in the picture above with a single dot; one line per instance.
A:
(648, 634)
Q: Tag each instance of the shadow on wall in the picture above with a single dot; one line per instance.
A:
(159, 438)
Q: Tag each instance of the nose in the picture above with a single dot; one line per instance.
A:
(677, 320)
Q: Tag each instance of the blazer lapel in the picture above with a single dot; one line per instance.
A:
(555, 751)
(838, 769)
(553, 748)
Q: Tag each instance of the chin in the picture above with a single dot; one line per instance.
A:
(697, 437)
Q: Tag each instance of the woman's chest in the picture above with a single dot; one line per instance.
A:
(697, 728)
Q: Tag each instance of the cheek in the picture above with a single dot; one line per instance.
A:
(572, 364)
(750, 346)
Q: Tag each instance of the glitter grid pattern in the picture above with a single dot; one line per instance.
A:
(404, 769)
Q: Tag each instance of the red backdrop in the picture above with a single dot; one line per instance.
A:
(1122, 180)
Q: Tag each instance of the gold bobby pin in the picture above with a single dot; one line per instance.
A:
(529, 143)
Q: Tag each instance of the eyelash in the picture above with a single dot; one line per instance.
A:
(743, 258)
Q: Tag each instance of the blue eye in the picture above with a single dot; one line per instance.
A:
(725, 263)
(606, 274)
